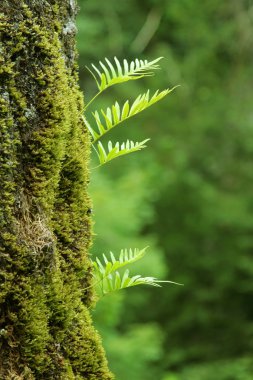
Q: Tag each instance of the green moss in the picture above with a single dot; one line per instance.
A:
(45, 328)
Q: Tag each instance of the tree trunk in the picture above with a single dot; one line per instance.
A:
(45, 327)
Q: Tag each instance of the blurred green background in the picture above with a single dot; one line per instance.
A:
(189, 195)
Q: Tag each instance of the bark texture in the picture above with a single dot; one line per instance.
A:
(45, 327)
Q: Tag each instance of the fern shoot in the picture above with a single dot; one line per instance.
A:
(106, 75)
(109, 74)
(107, 275)
(116, 114)
(107, 272)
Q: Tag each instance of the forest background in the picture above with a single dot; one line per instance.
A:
(188, 195)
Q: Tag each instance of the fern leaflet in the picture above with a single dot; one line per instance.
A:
(116, 114)
(116, 281)
(126, 257)
(108, 278)
(117, 150)
(109, 73)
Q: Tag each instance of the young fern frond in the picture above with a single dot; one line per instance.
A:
(106, 270)
(110, 265)
(110, 73)
(117, 150)
(117, 114)
(116, 281)
(108, 279)
(107, 74)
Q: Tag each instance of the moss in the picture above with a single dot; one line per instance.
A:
(45, 328)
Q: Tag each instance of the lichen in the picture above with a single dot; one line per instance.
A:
(46, 331)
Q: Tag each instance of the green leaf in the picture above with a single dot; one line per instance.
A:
(106, 120)
(117, 150)
(126, 257)
(108, 278)
(116, 281)
(110, 73)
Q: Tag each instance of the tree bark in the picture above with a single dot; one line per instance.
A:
(46, 330)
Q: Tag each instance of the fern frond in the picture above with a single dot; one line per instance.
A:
(108, 279)
(117, 150)
(117, 281)
(110, 73)
(126, 257)
(115, 115)
(108, 119)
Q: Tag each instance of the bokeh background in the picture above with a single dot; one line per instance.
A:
(189, 195)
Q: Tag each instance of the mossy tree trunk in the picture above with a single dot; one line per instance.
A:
(46, 330)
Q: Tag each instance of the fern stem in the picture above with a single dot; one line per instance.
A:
(91, 101)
